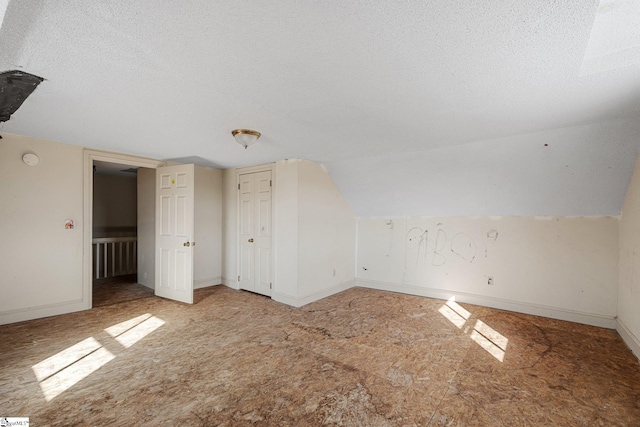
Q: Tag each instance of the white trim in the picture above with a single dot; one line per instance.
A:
(205, 283)
(46, 310)
(87, 179)
(493, 302)
(271, 167)
(632, 341)
(230, 282)
(285, 299)
(254, 169)
(299, 302)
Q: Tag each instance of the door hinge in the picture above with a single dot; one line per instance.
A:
(270, 184)
(270, 286)
(238, 186)
(238, 278)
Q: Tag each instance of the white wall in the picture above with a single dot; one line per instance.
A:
(326, 235)
(629, 266)
(114, 206)
(314, 233)
(285, 215)
(229, 228)
(562, 268)
(146, 224)
(207, 269)
(40, 260)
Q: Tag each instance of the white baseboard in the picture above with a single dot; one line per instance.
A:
(31, 313)
(300, 301)
(628, 337)
(204, 283)
(285, 299)
(148, 285)
(230, 282)
(493, 302)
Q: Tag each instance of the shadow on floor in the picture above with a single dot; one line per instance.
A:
(116, 290)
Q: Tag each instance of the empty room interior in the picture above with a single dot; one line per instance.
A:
(320, 213)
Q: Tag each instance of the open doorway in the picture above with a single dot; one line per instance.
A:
(117, 195)
(119, 216)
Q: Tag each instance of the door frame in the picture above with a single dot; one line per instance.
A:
(87, 221)
(269, 167)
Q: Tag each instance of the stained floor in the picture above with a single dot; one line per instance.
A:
(359, 358)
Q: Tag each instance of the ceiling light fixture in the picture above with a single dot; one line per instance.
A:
(245, 137)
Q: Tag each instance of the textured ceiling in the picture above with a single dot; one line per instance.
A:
(415, 107)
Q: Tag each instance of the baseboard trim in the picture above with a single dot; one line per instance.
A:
(299, 302)
(632, 341)
(493, 302)
(48, 310)
(230, 282)
(205, 283)
(285, 299)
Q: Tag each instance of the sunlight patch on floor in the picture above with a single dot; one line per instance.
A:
(74, 373)
(484, 335)
(135, 334)
(490, 340)
(118, 329)
(63, 370)
(455, 313)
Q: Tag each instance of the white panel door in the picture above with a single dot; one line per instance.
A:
(255, 232)
(246, 225)
(174, 232)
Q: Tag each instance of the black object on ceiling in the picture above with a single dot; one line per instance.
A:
(15, 87)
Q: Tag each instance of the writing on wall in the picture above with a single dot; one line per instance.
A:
(435, 247)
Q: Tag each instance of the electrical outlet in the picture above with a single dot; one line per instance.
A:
(490, 280)
(334, 272)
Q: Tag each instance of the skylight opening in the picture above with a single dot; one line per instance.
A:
(615, 37)
(4, 4)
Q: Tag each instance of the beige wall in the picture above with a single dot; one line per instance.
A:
(562, 268)
(629, 266)
(229, 228)
(326, 235)
(314, 233)
(146, 225)
(40, 260)
(285, 215)
(114, 205)
(207, 267)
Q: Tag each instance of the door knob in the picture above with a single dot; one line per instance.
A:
(250, 240)
(187, 244)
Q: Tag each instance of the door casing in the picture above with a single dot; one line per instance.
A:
(87, 220)
(253, 169)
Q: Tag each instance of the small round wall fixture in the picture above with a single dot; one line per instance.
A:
(245, 137)
(30, 159)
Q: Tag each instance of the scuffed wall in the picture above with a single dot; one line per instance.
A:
(40, 259)
(560, 267)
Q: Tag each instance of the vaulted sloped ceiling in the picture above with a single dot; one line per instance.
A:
(415, 107)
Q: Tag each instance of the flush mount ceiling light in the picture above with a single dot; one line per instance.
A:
(245, 137)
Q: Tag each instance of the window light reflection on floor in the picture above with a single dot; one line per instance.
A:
(455, 313)
(61, 371)
(489, 339)
(482, 334)
(141, 330)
